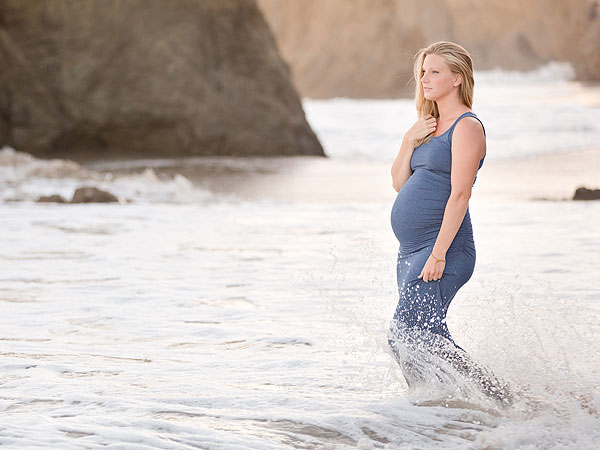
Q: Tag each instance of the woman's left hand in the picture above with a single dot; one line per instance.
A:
(433, 269)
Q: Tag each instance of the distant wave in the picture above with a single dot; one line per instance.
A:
(525, 114)
(25, 178)
(551, 71)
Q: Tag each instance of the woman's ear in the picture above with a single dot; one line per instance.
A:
(458, 81)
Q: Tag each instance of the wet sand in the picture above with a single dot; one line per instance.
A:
(551, 177)
(313, 179)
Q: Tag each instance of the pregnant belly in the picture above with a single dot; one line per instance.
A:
(418, 210)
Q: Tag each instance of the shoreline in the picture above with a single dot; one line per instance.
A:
(552, 176)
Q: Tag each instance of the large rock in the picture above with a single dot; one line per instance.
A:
(90, 194)
(587, 63)
(112, 78)
(352, 48)
(365, 48)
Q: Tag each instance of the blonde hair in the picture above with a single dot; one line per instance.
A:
(459, 61)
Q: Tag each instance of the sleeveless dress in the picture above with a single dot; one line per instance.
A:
(416, 219)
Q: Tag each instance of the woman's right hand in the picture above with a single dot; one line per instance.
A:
(422, 128)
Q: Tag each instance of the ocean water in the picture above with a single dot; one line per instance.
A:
(244, 303)
(525, 114)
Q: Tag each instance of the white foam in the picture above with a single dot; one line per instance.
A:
(551, 72)
(25, 178)
(258, 324)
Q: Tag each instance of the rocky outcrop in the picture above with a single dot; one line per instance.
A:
(587, 61)
(54, 198)
(583, 193)
(88, 194)
(85, 194)
(365, 48)
(137, 78)
(349, 48)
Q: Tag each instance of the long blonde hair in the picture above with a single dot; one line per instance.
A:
(459, 61)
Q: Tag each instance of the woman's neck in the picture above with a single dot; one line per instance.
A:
(450, 107)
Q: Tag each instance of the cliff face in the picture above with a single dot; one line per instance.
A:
(109, 78)
(365, 48)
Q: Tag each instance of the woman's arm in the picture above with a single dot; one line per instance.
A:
(468, 142)
(401, 170)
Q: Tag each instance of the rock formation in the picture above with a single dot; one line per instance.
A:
(365, 48)
(85, 194)
(137, 78)
(583, 193)
(90, 194)
(54, 198)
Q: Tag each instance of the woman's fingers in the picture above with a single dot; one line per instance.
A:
(432, 271)
(432, 125)
(439, 270)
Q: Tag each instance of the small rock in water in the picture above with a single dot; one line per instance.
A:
(583, 193)
(51, 199)
(92, 195)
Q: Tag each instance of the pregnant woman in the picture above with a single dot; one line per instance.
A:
(433, 174)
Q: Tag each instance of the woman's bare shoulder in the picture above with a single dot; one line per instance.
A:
(469, 127)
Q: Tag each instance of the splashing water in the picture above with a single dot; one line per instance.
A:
(185, 318)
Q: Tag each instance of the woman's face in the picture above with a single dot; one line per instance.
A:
(436, 78)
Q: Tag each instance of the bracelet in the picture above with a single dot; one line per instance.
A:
(437, 260)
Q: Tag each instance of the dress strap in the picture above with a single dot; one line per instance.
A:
(466, 114)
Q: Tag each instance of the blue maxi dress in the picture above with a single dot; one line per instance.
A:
(416, 219)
